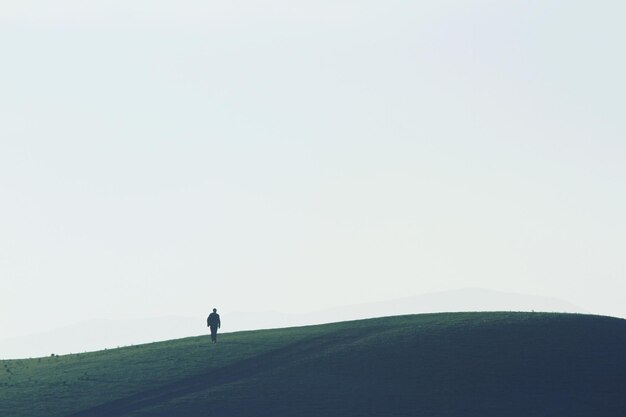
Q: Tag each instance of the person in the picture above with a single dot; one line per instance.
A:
(213, 321)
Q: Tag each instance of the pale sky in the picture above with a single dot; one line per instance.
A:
(164, 157)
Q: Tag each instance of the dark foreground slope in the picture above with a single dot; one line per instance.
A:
(461, 364)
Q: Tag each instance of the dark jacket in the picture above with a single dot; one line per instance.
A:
(214, 320)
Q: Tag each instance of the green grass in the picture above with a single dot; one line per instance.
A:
(456, 364)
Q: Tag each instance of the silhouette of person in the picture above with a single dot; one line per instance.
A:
(213, 321)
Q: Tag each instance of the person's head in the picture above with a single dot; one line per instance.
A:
(215, 310)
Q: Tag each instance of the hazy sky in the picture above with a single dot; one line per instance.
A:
(166, 156)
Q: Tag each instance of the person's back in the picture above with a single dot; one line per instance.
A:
(214, 322)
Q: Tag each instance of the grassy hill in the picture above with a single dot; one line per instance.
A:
(456, 364)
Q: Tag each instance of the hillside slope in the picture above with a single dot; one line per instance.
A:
(80, 337)
(457, 364)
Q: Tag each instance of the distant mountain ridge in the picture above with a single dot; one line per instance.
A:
(467, 299)
(98, 334)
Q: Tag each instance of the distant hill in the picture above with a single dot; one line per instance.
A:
(443, 365)
(100, 333)
(461, 300)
